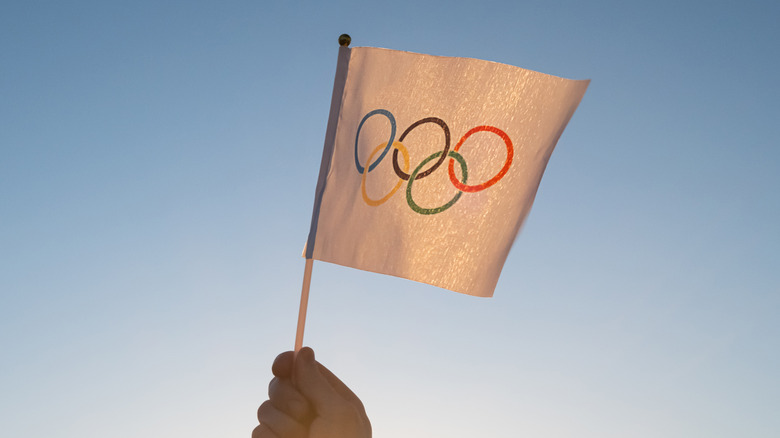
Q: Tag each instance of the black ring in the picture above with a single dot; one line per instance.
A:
(405, 176)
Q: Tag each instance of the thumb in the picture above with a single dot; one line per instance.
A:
(312, 383)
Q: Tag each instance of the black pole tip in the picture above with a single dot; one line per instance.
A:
(344, 40)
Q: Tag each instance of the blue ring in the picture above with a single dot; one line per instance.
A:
(390, 117)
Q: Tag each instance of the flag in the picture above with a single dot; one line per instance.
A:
(431, 164)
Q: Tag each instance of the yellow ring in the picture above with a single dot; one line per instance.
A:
(398, 145)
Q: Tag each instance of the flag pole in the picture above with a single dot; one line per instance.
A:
(304, 304)
(344, 41)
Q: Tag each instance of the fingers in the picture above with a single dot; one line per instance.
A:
(305, 397)
(340, 387)
(262, 431)
(279, 423)
(283, 364)
(311, 382)
(287, 399)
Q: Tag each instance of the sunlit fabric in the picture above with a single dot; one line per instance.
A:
(432, 163)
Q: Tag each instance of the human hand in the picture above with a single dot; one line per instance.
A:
(306, 400)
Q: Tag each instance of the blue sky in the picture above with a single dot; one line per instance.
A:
(157, 176)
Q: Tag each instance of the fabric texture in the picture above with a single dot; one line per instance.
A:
(432, 163)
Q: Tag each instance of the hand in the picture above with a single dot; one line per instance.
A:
(306, 400)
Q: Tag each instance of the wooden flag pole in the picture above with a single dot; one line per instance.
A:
(304, 304)
(344, 41)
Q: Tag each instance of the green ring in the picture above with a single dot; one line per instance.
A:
(452, 201)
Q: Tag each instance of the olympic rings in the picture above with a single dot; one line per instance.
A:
(440, 122)
(479, 187)
(418, 173)
(398, 146)
(452, 201)
(390, 117)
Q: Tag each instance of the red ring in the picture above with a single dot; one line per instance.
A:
(479, 187)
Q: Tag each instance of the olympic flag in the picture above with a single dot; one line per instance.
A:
(431, 164)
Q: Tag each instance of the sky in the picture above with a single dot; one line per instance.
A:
(157, 171)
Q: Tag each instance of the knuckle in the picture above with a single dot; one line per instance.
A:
(262, 411)
(262, 431)
(298, 408)
(272, 386)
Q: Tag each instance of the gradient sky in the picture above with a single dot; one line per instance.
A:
(157, 172)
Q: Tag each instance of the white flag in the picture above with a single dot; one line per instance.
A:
(431, 164)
